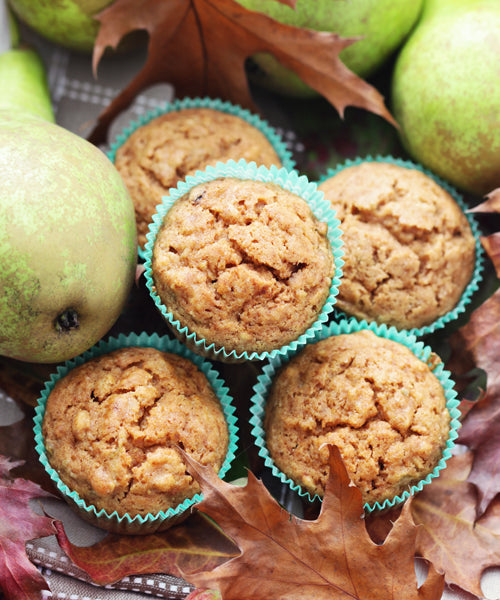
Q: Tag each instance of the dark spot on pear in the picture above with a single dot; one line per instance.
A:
(67, 320)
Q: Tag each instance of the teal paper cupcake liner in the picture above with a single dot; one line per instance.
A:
(290, 180)
(476, 278)
(264, 381)
(126, 523)
(270, 132)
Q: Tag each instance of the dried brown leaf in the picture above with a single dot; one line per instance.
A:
(195, 544)
(200, 594)
(491, 204)
(330, 557)
(449, 534)
(200, 46)
(491, 244)
(480, 431)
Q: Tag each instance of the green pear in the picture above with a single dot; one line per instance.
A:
(70, 23)
(10, 28)
(67, 241)
(445, 92)
(22, 72)
(382, 26)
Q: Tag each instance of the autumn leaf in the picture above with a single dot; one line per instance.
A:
(200, 46)
(491, 204)
(477, 343)
(491, 244)
(200, 594)
(20, 579)
(481, 433)
(282, 556)
(480, 339)
(23, 381)
(195, 544)
(16, 442)
(449, 534)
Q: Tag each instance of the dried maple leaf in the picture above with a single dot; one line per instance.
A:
(194, 544)
(449, 533)
(330, 557)
(200, 46)
(19, 578)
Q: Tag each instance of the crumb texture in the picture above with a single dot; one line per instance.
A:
(409, 249)
(373, 398)
(111, 426)
(168, 148)
(245, 264)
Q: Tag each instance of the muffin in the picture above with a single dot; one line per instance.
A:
(410, 252)
(243, 263)
(187, 138)
(112, 424)
(372, 397)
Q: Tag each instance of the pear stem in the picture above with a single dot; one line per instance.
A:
(67, 320)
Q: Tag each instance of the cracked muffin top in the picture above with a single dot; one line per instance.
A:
(244, 264)
(168, 148)
(373, 398)
(409, 249)
(112, 424)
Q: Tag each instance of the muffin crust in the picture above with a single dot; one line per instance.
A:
(111, 426)
(409, 249)
(371, 397)
(168, 148)
(243, 263)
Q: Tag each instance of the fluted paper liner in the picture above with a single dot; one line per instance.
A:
(126, 523)
(264, 381)
(290, 180)
(263, 126)
(473, 284)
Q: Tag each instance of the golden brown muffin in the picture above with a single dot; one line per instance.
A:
(245, 264)
(371, 397)
(111, 426)
(409, 249)
(163, 151)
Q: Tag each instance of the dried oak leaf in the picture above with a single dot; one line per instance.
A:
(200, 594)
(331, 557)
(479, 340)
(449, 533)
(480, 430)
(195, 544)
(19, 578)
(491, 244)
(200, 46)
(491, 204)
